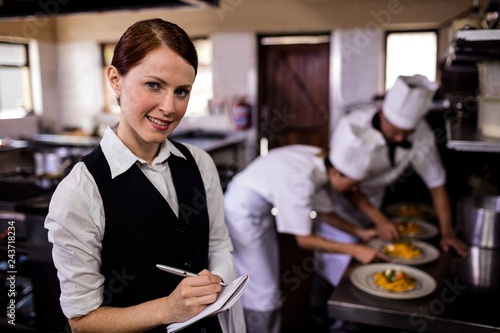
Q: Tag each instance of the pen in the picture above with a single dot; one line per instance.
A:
(179, 272)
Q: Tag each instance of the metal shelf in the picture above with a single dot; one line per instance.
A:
(471, 46)
(468, 138)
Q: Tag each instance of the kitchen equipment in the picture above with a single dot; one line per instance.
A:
(489, 78)
(480, 268)
(51, 166)
(489, 117)
(479, 221)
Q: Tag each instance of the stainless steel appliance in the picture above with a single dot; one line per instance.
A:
(479, 221)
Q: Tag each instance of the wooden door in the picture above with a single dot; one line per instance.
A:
(294, 94)
(294, 109)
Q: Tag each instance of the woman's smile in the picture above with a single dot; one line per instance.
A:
(162, 125)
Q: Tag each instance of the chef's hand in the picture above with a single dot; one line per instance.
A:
(452, 242)
(365, 234)
(387, 230)
(365, 254)
(192, 295)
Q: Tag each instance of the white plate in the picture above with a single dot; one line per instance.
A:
(429, 252)
(362, 277)
(413, 209)
(427, 229)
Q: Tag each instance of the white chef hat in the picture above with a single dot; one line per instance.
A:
(406, 103)
(352, 149)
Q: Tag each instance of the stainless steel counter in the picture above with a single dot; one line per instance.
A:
(65, 140)
(465, 300)
(208, 140)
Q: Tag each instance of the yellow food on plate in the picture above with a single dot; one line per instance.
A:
(408, 227)
(410, 211)
(394, 280)
(403, 249)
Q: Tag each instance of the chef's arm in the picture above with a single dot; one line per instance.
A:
(442, 206)
(386, 229)
(338, 222)
(362, 253)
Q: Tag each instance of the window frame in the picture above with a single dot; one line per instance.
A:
(20, 112)
(389, 32)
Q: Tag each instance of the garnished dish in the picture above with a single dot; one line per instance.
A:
(394, 280)
(408, 227)
(390, 280)
(415, 228)
(402, 249)
(408, 209)
(406, 251)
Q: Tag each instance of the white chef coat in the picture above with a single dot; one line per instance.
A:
(287, 179)
(423, 156)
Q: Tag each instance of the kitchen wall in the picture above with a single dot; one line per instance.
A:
(69, 90)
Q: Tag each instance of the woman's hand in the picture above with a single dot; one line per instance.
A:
(191, 296)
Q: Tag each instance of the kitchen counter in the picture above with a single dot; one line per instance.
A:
(10, 145)
(65, 140)
(208, 140)
(464, 300)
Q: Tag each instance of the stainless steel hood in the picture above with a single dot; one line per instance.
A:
(23, 8)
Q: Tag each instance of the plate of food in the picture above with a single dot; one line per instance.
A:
(393, 281)
(415, 228)
(410, 209)
(407, 251)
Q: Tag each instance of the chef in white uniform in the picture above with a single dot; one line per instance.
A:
(277, 193)
(408, 141)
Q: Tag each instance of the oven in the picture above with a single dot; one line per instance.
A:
(28, 280)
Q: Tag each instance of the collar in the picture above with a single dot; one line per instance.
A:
(120, 158)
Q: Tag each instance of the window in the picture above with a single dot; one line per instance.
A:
(15, 83)
(201, 93)
(410, 53)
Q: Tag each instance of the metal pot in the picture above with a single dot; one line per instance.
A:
(479, 221)
(50, 167)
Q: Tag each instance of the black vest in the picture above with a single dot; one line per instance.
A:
(141, 230)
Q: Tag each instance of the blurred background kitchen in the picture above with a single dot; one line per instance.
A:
(271, 73)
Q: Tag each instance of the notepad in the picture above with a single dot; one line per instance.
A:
(225, 300)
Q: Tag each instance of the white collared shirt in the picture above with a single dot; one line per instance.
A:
(76, 220)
